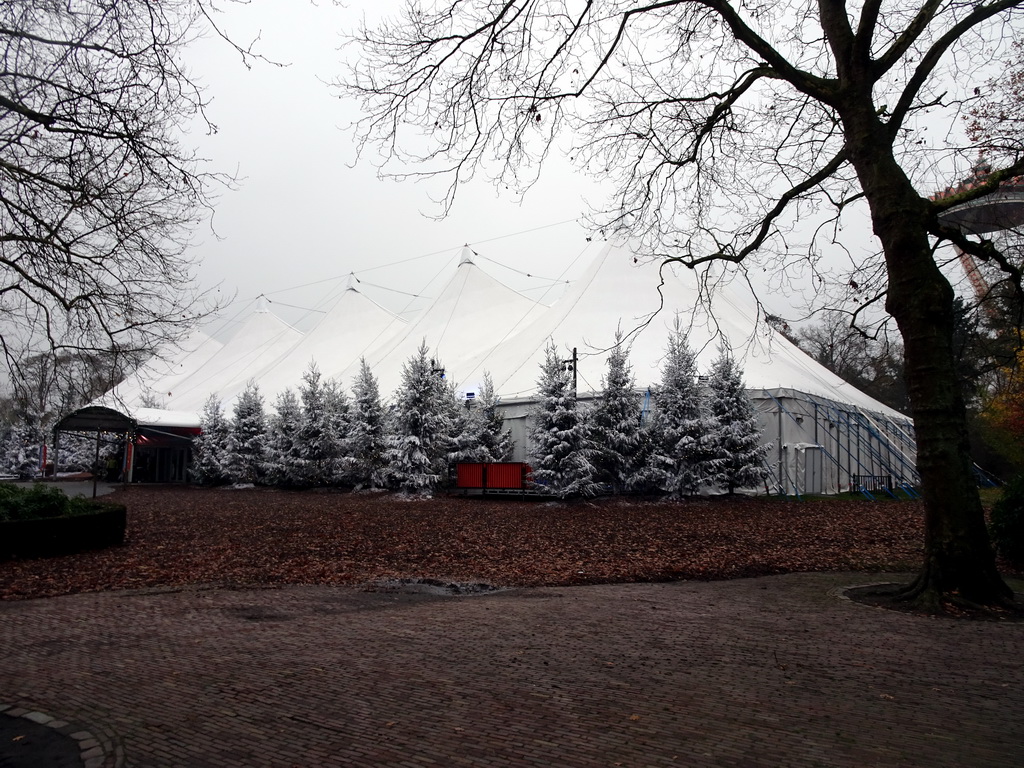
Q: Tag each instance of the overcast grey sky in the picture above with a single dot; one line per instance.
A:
(302, 214)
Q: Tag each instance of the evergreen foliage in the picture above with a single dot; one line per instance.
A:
(737, 435)
(366, 437)
(649, 464)
(318, 439)
(479, 436)
(495, 441)
(561, 452)
(615, 424)
(339, 417)
(1007, 522)
(77, 450)
(685, 429)
(247, 446)
(284, 451)
(24, 444)
(210, 447)
(419, 439)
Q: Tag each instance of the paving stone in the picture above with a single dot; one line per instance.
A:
(751, 673)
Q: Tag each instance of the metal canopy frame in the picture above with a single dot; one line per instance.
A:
(96, 418)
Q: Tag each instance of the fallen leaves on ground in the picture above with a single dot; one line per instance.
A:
(184, 535)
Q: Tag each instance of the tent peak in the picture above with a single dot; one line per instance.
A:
(466, 257)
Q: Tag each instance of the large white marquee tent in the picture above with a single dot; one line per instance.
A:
(826, 434)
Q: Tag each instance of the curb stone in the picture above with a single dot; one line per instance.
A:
(94, 750)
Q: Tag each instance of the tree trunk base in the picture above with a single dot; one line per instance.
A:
(934, 592)
(919, 601)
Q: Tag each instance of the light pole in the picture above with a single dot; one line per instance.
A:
(570, 365)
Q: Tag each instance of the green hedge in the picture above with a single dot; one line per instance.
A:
(41, 521)
(1007, 522)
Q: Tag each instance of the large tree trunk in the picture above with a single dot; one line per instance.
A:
(959, 564)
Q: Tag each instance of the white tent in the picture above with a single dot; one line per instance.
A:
(249, 353)
(162, 373)
(350, 329)
(478, 324)
(619, 291)
(472, 312)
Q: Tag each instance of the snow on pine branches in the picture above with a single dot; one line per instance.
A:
(561, 451)
(615, 428)
(421, 426)
(698, 438)
(366, 438)
(738, 448)
(685, 428)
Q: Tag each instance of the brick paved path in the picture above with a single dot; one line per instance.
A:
(760, 672)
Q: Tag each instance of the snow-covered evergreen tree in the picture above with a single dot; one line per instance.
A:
(615, 423)
(463, 437)
(650, 466)
(421, 426)
(560, 451)
(318, 441)
(366, 437)
(339, 416)
(211, 447)
(247, 456)
(76, 452)
(24, 445)
(494, 439)
(284, 454)
(685, 428)
(737, 436)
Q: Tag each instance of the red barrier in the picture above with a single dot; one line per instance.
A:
(506, 476)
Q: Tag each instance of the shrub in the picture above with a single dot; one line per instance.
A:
(1007, 521)
(37, 502)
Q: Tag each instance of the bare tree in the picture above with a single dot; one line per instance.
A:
(98, 195)
(726, 127)
(872, 364)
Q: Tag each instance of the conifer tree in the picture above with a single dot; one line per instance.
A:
(339, 417)
(247, 460)
(24, 444)
(78, 450)
(318, 446)
(650, 465)
(685, 428)
(285, 456)
(495, 441)
(615, 424)
(737, 435)
(560, 451)
(211, 447)
(464, 428)
(366, 438)
(419, 440)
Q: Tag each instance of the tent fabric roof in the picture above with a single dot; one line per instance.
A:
(352, 328)
(162, 373)
(472, 312)
(254, 348)
(478, 324)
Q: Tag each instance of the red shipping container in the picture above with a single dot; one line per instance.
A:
(508, 476)
(469, 476)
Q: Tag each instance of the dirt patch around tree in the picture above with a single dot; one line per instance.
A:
(180, 536)
(888, 596)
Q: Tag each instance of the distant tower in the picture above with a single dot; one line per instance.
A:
(996, 212)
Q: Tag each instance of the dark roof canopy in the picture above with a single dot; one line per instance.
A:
(96, 418)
